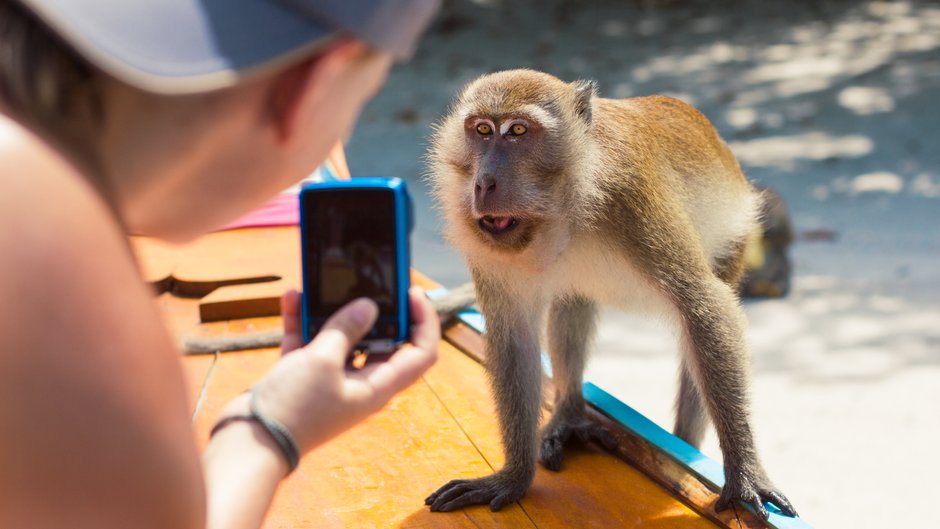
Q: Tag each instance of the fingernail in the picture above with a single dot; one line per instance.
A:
(362, 311)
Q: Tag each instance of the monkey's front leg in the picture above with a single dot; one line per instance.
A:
(513, 363)
(571, 326)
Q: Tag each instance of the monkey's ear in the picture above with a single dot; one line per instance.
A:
(584, 91)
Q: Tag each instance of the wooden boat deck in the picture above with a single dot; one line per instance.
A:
(442, 428)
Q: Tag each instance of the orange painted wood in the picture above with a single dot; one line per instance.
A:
(634, 450)
(196, 372)
(442, 428)
(591, 486)
(375, 475)
(234, 257)
(378, 474)
(241, 254)
(232, 374)
(675, 477)
(156, 260)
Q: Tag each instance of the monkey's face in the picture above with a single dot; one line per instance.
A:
(511, 179)
(502, 161)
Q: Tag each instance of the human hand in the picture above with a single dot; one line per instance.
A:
(314, 393)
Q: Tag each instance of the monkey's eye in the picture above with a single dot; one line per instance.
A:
(484, 129)
(517, 129)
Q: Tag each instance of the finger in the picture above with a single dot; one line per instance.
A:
(426, 326)
(500, 501)
(602, 436)
(781, 502)
(724, 500)
(399, 371)
(343, 330)
(405, 366)
(433, 496)
(450, 499)
(759, 508)
(290, 314)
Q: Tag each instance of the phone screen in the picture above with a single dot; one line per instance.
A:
(351, 250)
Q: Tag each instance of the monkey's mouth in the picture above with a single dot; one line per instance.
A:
(497, 225)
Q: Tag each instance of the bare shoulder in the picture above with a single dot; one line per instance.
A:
(57, 235)
(88, 377)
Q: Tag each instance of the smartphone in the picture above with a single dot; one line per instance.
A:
(355, 243)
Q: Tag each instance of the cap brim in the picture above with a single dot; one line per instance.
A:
(184, 46)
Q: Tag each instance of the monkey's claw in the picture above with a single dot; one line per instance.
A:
(559, 432)
(755, 492)
(498, 490)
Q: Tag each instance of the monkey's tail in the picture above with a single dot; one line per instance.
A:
(447, 307)
(455, 301)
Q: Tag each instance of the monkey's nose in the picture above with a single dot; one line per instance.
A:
(483, 187)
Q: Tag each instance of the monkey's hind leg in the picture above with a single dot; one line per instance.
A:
(571, 325)
(691, 415)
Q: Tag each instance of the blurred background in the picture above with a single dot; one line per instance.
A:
(833, 104)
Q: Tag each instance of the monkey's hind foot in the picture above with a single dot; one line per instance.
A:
(561, 429)
(754, 491)
(498, 490)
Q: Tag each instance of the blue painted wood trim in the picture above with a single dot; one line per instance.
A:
(709, 470)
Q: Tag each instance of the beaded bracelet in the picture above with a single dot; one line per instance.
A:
(281, 435)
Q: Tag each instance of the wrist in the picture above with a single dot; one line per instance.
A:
(249, 443)
(278, 435)
(243, 467)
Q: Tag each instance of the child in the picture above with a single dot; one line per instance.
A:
(168, 118)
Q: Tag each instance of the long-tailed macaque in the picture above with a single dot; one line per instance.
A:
(560, 200)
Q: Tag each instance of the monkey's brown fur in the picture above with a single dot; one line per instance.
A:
(560, 200)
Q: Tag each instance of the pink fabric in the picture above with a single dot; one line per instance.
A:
(282, 210)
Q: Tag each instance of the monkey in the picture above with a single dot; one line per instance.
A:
(560, 200)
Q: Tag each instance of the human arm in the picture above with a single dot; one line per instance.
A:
(311, 392)
(93, 405)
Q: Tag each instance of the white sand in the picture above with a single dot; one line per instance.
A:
(835, 106)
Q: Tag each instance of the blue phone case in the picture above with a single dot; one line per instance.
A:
(404, 222)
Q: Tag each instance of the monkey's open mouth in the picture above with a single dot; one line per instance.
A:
(498, 225)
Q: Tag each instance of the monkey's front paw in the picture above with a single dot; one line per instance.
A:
(498, 490)
(559, 431)
(755, 491)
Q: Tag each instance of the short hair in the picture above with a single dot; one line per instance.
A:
(43, 81)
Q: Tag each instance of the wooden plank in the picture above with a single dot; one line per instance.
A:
(592, 485)
(234, 373)
(243, 301)
(196, 372)
(239, 255)
(234, 257)
(378, 474)
(666, 459)
(677, 465)
(375, 475)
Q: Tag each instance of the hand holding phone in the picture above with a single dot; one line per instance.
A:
(312, 391)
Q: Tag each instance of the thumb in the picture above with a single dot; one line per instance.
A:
(344, 330)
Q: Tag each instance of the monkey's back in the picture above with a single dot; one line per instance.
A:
(661, 143)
